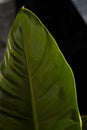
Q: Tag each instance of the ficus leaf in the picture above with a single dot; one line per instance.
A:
(37, 85)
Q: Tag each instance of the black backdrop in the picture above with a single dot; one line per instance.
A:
(70, 31)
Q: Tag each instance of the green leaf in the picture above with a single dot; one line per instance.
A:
(37, 85)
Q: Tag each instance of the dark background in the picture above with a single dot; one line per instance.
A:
(70, 32)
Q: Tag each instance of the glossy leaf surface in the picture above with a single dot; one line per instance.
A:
(37, 85)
